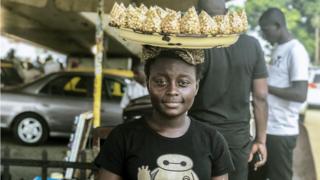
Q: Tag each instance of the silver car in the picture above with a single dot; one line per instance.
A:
(48, 106)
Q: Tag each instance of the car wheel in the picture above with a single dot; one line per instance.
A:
(30, 129)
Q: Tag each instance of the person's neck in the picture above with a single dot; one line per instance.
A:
(169, 127)
(286, 37)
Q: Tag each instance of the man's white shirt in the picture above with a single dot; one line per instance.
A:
(289, 63)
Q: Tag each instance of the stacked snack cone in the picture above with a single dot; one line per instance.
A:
(157, 20)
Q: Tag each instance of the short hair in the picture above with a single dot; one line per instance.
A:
(170, 54)
(273, 16)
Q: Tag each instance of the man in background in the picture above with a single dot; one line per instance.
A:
(223, 100)
(288, 85)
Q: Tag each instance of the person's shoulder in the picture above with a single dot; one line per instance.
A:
(296, 44)
(203, 127)
(297, 49)
(245, 38)
(135, 84)
(131, 82)
(207, 133)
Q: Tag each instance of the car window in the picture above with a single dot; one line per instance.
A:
(75, 86)
(112, 88)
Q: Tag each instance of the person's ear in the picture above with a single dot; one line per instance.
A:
(197, 86)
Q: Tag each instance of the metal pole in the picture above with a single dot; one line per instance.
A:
(317, 59)
(98, 65)
(44, 167)
(6, 167)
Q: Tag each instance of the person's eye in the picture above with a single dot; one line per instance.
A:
(160, 82)
(184, 83)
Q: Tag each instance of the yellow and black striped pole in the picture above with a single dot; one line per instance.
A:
(98, 66)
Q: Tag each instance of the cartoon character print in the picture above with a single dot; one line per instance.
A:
(171, 167)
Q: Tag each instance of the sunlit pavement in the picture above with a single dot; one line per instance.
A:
(312, 124)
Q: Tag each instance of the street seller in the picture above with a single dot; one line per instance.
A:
(167, 144)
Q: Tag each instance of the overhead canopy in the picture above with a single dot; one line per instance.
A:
(68, 26)
(91, 5)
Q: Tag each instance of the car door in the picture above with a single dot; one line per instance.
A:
(313, 98)
(64, 98)
(112, 91)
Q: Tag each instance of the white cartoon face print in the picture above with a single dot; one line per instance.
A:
(174, 162)
(171, 167)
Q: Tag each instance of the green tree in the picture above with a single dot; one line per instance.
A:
(301, 15)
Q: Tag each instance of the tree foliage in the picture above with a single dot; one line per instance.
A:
(302, 17)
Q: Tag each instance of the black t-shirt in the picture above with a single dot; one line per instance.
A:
(224, 94)
(199, 154)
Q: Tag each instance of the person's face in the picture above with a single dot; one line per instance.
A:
(270, 32)
(172, 86)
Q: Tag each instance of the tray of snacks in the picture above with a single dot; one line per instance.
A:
(168, 28)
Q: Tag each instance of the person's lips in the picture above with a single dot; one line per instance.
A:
(172, 103)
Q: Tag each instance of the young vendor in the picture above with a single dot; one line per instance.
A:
(169, 144)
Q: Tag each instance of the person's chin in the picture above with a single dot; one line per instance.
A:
(172, 114)
(171, 110)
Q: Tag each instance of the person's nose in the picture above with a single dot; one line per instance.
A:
(172, 89)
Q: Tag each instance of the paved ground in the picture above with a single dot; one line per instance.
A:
(56, 147)
(303, 165)
(313, 126)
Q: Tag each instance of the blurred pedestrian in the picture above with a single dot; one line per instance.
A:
(60, 64)
(30, 73)
(230, 74)
(137, 87)
(74, 63)
(288, 84)
(11, 55)
(51, 66)
(39, 65)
